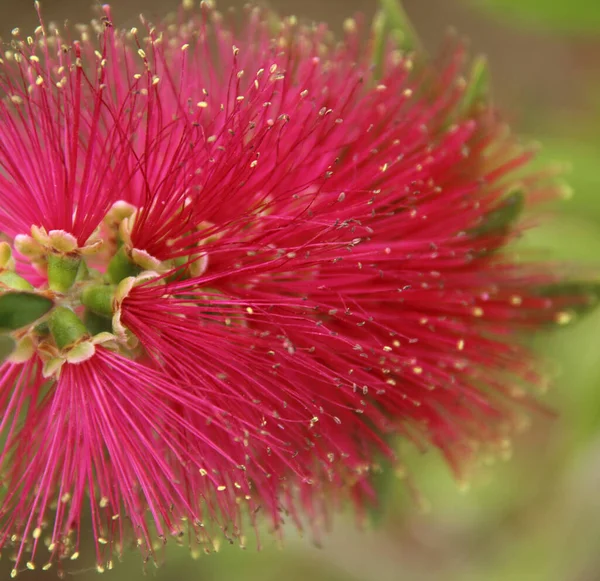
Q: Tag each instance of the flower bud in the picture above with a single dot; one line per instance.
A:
(66, 327)
(62, 271)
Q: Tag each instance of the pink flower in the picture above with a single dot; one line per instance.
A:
(268, 259)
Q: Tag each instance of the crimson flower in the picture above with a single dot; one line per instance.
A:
(267, 258)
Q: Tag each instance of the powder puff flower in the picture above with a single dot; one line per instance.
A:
(267, 258)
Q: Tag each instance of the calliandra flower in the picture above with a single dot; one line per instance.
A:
(268, 258)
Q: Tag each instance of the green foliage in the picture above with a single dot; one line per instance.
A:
(384, 482)
(19, 309)
(398, 24)
(499, 220)
(588, 291)
(574, 16)
(392, 22)
(478, 85)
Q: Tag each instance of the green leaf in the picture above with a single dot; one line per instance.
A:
(499, 220)
(391, 21)
(478, 85)
(379, 35)
(383, 480)
(399, 25)
(19, 309)
(583, 296)
(574, 16)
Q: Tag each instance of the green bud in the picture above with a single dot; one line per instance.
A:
(98, 298)
(20, 309)
(62, 271)
(66, 327)
(97, 323)
(120, 267)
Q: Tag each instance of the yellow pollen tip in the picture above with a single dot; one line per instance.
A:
(563, 318)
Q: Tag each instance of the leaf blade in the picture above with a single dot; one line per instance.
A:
(20, 309)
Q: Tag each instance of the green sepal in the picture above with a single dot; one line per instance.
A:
(97, 323)
(62, 271)
(120, 267)
(7, 346)
(66, 327)
(99, 298)
(478, 85)
(20, 309)
(499, 220)
(12, 280)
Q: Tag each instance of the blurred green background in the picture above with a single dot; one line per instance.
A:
(537, 516)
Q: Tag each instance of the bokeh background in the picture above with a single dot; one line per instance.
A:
(535, 517)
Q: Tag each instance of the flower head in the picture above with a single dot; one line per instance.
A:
(267, 258)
